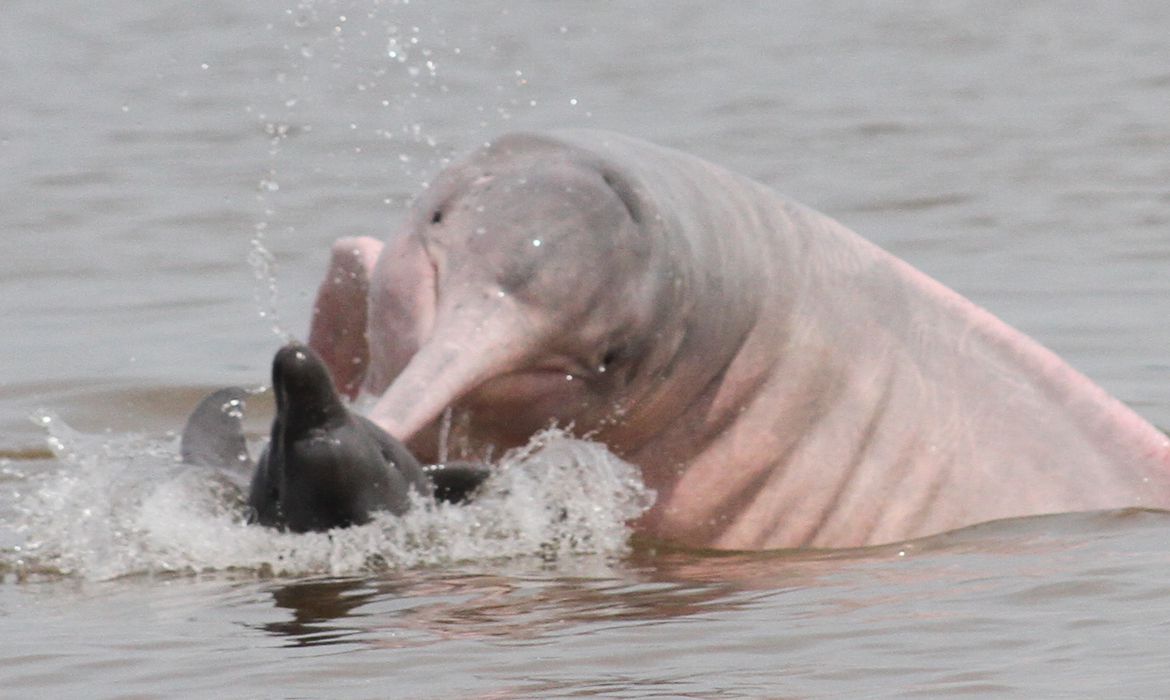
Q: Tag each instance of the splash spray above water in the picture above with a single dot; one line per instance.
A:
(371, 93)
(118, 505)
(121, 505)
(265, 291)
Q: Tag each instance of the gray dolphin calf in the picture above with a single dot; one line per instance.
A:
(324, 466)
(780, 381)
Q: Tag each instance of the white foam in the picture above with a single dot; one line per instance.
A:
(122, 505)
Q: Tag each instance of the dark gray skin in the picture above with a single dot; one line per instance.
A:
(214, 434)
(325, 466)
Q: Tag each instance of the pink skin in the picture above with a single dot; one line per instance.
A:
(780, 381)
(338, 330)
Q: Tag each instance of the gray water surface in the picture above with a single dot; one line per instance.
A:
(174, 172)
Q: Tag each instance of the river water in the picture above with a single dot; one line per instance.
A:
(174, 172)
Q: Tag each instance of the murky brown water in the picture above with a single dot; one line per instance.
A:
(1019, 154)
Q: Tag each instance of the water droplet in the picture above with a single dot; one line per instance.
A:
(263, 265)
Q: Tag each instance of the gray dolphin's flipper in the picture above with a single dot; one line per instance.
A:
(214, 434)
(456, 482)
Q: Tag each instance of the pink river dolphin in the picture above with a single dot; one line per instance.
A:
(780, 381)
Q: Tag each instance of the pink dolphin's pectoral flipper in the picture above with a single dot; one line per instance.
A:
(338, 329)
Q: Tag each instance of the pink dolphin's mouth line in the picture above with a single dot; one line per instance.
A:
(538, 383)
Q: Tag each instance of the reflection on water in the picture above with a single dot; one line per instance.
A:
(320, 608)
(529, 600)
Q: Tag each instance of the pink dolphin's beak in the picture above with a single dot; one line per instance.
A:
(462, 353)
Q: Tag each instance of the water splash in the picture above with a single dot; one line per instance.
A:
(444, 434)
(265, 292)
(122, 505)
